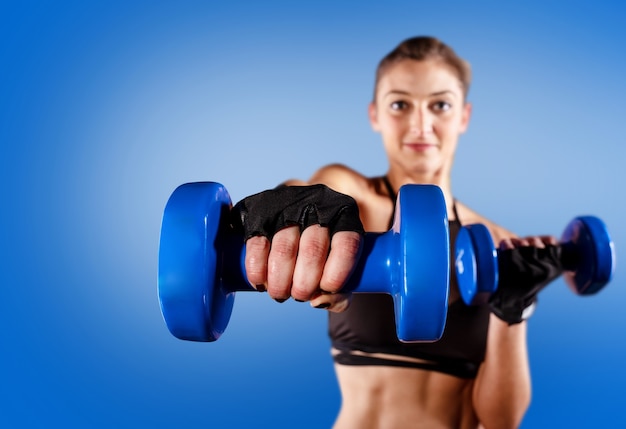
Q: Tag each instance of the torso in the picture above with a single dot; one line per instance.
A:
(390, 397)
(387, 396)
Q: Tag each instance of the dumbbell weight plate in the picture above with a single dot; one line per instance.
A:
(421, 295)
(194, 303)
(595, 254)
(476, 264)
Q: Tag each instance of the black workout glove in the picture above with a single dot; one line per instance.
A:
(269, 211)
(523, 272)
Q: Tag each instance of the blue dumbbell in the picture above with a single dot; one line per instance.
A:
(201, 263)
(587, 257)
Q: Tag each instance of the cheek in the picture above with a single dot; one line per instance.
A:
(449, 128)
(391, 125)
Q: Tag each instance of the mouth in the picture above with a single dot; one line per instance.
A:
(419, 146)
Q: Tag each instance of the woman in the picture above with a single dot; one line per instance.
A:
(477, 374)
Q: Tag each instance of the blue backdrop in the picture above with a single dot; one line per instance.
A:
(105, 107)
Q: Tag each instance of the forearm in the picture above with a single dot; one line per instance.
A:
(502, 389)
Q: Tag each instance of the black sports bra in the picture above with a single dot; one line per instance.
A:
(365, 334)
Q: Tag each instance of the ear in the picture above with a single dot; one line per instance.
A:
(465, 116)
(373, 115)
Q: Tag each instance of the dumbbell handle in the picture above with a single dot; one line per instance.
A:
(569, 257)
(373, 268)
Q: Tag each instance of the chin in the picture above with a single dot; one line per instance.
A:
(426, 168)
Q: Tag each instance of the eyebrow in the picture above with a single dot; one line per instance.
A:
(433, 94)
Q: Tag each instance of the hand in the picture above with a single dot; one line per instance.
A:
(540, 242)
(302, 242)
(300, 265)
(526, 265)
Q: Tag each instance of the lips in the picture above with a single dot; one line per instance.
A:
(419, 146)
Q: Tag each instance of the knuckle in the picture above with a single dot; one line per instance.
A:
(256, 245)
(256, 259)
(304, 289)
(279, 280)
(255, 277)
(348, 243)
(301, 292)
(333, 284)
(278, 291)
(334, 278)
(255, 262)
(284, 248)
(305, 284)
(314, 248)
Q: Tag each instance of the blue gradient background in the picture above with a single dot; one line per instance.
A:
(105, 107)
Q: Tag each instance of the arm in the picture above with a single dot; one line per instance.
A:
(502, 389)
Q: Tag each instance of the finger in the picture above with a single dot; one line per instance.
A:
(345, 249)
(520, 242)
(281, 262)
(335, 302)
(257, 251)
(549, 240)
(506, 244)
(312, 254)
(535, 241)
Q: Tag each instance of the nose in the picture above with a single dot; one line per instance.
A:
(421, 122)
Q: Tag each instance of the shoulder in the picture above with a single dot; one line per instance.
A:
(342, 179)
(366, 191)
(469, 216)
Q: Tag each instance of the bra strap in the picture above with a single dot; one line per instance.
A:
(457, 219)
(393, 195)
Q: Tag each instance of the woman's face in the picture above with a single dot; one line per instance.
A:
(420, 112)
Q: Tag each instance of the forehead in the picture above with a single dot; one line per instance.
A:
(419, 78)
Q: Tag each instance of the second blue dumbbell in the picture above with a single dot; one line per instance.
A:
(587, 257)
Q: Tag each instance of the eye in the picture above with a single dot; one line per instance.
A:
(441, 106)
(398, 105)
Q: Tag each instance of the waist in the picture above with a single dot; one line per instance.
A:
(378, 394)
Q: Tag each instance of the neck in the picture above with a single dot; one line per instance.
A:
(439, 179)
